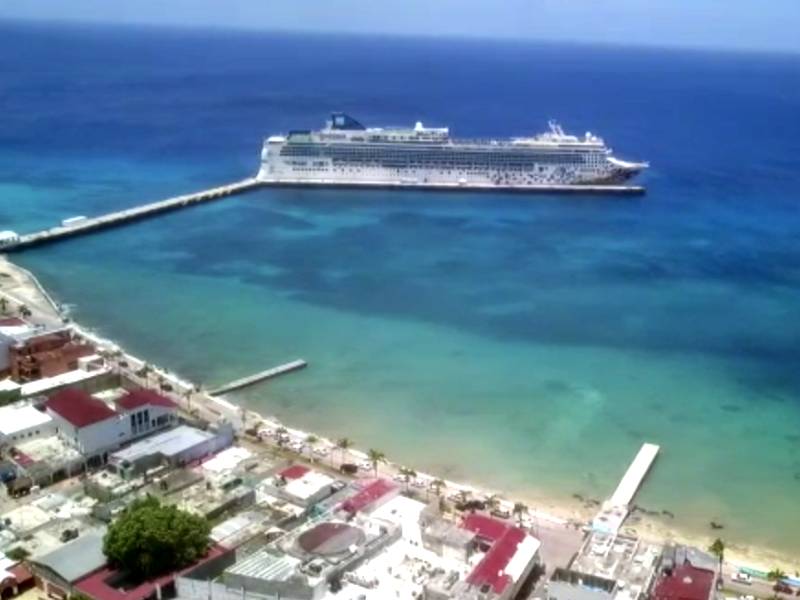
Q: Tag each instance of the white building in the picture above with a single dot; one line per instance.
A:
(95, 427)
(22, 421)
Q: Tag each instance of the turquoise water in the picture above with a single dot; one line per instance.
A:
(529, 344)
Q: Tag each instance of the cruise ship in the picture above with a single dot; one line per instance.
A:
(346, 153)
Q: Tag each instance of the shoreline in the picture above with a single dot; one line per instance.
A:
(554, 511)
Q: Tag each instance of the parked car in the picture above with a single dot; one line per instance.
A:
(741, 577)
(348, 468)
(783, 588)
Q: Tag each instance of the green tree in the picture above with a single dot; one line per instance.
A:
(3, 305)
(375, 457)
(18, 553)
(149, 538)
(437, 485)
(492, 501)
(718, 550)
(343, 444)
(408, 474)
(519, 510)
(776, 574)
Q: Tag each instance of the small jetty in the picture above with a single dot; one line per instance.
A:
(632, 480)
(294, 365)
(77, 226)
(616, 509)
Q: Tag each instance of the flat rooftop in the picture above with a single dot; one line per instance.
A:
(20, 417)
(167, 443)
(626, 559)
(41, 386)
(50, 449)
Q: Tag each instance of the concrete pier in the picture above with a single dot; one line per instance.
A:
(76, 226)
(261, 376)
(616, 509)
(632, 480)
(122, 217)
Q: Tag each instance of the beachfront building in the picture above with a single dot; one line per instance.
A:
(608, 567)
(501, 557)
(94, 426)
(30, 352)
(686, 573)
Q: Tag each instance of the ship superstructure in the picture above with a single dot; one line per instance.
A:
(345, 152)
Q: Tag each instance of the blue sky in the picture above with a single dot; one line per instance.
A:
(736, 24)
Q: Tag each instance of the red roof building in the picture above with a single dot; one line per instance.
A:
(685, 582)
(373, 494)
(78, 407)
(110, 584)
(505, 540)
(139, 398)
(95, 427)
(294, 472)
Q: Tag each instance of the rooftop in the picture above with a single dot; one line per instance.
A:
(50, 449)
(44, 385)
(79, 408)
(308, 484)
(19, 417)
(368, 495)
(167, 443)
(625, 559)
(511, 551)
(75, 559)
(138, 398)
(685, 583)
(107, 583)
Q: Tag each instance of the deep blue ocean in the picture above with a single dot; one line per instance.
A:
(531, 343)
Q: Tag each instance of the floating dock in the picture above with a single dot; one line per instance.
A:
(81, 226)
(258, 377)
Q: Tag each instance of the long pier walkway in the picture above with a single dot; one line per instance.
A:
(125, 216)
(261, 376)
(616, 509)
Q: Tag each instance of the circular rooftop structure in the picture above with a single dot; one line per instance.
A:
(330, 539)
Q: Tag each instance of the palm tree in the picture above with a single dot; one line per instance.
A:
(3, 304)
(519, 510)
(436, 485)
(492, 501)
(408, 475)
(311, 441)
(463, 496)
(375, 457)
(776, 574)
(343, 444)
(718, 550)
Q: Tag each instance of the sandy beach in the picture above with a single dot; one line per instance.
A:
(20, 287)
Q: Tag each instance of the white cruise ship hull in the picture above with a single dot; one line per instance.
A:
(346, 154)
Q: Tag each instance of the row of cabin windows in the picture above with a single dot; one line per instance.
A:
(434, 154)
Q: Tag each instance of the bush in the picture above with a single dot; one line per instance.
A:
(18, 553)
(149, 539)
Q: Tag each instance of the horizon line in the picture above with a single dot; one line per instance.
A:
(464, 37)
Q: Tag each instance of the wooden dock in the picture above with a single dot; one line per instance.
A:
(258, 377)
(123, 217)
